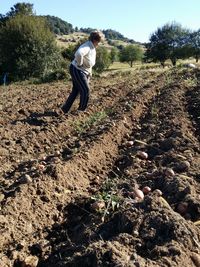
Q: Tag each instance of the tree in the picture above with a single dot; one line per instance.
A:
(102, 60)
(111, 34)
(2, 20)
(194, 44)
(22, 9)
(19, 8)
(59, 26)
(168, 42)
(131, 53)
(154, 53)
(27, 47)
(68, 53)
(114, 54)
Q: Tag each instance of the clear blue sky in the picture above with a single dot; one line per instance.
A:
(135, 19)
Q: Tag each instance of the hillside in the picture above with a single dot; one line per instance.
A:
(116, 186)
(73, 38)
(66, 34)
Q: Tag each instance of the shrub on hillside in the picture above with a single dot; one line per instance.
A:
(59, 26)
(27, 48)
(56, 75)
(103, 59)
(131, 53)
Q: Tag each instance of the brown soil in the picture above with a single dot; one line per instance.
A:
(68, 184)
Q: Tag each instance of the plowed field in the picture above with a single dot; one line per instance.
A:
(118, 185)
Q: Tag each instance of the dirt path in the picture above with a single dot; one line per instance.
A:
(55, 169)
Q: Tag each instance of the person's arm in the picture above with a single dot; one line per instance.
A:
(80, 53)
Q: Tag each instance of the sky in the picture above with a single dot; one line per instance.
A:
(135, 19)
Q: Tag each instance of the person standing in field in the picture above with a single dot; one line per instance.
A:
(81, 71)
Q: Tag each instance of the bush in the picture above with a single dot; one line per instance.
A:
(131, 53)
(27, 48)
(56, 76)
(103, 60)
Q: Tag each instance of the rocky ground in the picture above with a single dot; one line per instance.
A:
(115, 186)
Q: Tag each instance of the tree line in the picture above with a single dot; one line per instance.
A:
(28, 46)
(173, 42)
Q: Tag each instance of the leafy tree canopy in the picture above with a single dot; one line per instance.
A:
(27, 47)
(194, 44)
(114, 54)
(59, 26)
(168, 42)
(21, 8)
(103, 60)
(131, 53)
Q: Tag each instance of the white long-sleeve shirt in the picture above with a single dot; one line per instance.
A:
(85, 57)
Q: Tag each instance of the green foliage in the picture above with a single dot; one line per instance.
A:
(156, 52)
(111, 34)
(56, 25)
(114, 35)
(59, 74)
(21, 9)
(82, 126)
(87, 30)
(103, 60)
(2, 20)
(27, 48)
(131, 53)
(114, 54)
(194, 44)
(168, 42)
(68, 53)
(18, 9)
(59, 26)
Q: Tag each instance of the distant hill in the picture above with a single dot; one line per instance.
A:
(80, 36)
(61, 27)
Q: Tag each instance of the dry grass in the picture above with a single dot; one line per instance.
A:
(73, 38)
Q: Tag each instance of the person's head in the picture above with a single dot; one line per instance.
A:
(95, 37)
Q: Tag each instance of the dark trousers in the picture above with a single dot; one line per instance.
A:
(80, 86)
